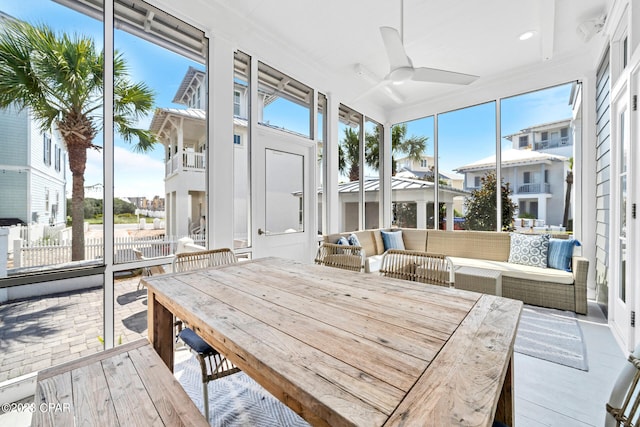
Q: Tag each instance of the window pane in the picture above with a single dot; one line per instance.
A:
(412, 180)
(322, 131)
(284, 103)
(373, 141)
(284, 184)
(40, 325)
(174, 164)
(537, 174)
(349, 168)
(467, 153)
(241, 152)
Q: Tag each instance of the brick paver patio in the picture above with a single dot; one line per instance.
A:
(41, 332)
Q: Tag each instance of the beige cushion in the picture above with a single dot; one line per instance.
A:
(518, 271)
(415, 239)
(488, 245)
(373, 263)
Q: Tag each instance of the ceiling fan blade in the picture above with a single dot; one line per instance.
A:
(395, 50)
(424, 74)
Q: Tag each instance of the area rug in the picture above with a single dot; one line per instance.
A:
(552, 335)
(235, 400)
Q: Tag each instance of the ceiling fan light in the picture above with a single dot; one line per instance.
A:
(400, 75)
(527, 35)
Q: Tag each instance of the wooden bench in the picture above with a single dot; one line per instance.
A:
(127, 385)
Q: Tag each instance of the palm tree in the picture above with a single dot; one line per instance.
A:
(60, 78)
(413, 146)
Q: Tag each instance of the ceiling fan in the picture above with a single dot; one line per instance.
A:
(401, 66)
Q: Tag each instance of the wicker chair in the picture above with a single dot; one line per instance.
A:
(423, 267)
(341, 256)
(212, 364)
(622, 408)
(147, 271)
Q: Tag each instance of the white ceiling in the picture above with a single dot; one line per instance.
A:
(320, 42)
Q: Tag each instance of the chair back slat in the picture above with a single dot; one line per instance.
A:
(187, 261)
(340, 256)
(417, 266)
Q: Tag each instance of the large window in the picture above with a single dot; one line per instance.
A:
(321, 124)
(123, 191)
(39, 312)
(350, 145)
(466, 154)
(372, 173)
(535, 175)
(412, 173)
(284, 103)
(241, 152)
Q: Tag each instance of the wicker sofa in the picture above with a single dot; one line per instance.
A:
(547, 287)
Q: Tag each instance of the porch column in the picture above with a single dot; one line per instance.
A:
(421, 214)
(542, 208)
(183, 213)
(449, 206)
(180, 153)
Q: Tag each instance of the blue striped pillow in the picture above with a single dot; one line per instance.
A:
(392, 240)
(560, 253)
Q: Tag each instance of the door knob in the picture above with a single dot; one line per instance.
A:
(261, 232)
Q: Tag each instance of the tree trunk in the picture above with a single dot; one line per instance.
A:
(77, 157)
(567, 200)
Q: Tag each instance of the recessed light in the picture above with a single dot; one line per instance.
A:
(527, 35)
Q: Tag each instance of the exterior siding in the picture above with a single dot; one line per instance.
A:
(13, 140)
(603, 175)
(13, 186)
(25, 176)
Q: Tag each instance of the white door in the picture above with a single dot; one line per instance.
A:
(621, 294)
(283, 182)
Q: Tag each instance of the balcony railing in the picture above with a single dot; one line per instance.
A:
(551, 143)
(191, 161)
(534, 188)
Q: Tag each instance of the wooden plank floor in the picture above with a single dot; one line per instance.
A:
(548, 394)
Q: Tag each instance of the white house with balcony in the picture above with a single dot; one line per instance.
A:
(537, 181)
(183, 133)
(553, 138)
(536, 167)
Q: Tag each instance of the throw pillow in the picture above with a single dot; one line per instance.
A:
(392, 240)
(353, 240)
(343, 241)
(560, 253)
(529, 249)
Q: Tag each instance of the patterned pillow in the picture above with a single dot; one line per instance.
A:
(353, 240)
(392, 240)
(343, 241)
(560, 253)
(529, 249)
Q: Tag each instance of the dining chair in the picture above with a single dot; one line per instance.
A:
(212, 364)
(624, 401)
(417, 266)
(147, 271)
(346, 257)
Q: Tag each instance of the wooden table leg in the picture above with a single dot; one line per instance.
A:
(160, 329)
(504, 410)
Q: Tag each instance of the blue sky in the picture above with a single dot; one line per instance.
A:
(464, 135)
(162, 70)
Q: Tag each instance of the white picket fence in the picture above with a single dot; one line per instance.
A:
(51, 252)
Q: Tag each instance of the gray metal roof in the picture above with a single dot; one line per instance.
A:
(397, 183)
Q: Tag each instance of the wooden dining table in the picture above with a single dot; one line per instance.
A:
(344, 348)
